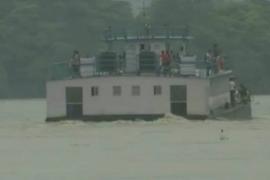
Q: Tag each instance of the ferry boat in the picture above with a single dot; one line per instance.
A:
(128, 82)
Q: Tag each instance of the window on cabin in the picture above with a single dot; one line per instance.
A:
(157, 90)
(94, 91)
(136, 91)
(117, 90)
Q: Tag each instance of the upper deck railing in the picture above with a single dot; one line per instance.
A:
(147, 34)
(64, 70)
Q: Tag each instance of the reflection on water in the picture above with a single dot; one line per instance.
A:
(171, 148)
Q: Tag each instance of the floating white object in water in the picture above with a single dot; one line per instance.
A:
(222, 136)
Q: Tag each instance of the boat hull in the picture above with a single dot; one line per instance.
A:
(239, 112)
(110, 118)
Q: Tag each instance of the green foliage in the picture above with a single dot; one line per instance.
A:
(241, 28)
(35, 33)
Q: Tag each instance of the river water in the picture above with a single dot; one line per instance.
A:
(168, 149)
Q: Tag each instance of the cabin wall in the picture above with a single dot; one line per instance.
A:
(219, 91)
(56, 100)
(198, 97)
(127, 104)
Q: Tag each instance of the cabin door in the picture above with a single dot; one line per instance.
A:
(179, 100)
(74, 102)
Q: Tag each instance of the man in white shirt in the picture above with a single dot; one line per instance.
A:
(232, 91)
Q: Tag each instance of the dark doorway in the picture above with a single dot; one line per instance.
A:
(179, 100)
(74, 102)
(142, 47)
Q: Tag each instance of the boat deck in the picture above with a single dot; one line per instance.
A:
(62, 71)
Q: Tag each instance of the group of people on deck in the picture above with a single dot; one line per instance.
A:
(238, 93)
(168, 57)
(214, 61)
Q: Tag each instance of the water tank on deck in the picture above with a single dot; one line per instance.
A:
(148, 62)
(87, 67)
(188, 65)
(107, 62)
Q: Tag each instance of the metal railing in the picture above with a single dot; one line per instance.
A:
(63, 70)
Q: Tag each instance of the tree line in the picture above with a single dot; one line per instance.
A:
(36, 33)
(240, 27)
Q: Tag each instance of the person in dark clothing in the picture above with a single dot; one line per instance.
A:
(232, 91)
(208, 62)
(168, 58)
(244, 94)
(182, 51)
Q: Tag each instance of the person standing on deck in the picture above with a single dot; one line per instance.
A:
(162, 61)
(168, 59)
(244, 94)
(75, 64)
(220, 64)
(165, 59)
(182, 51)
(208, 62)
(162, 58)
(232, 91)
(216, 54)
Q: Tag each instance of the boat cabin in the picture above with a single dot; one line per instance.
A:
(130, 80)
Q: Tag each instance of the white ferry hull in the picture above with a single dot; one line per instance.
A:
(94, 99)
